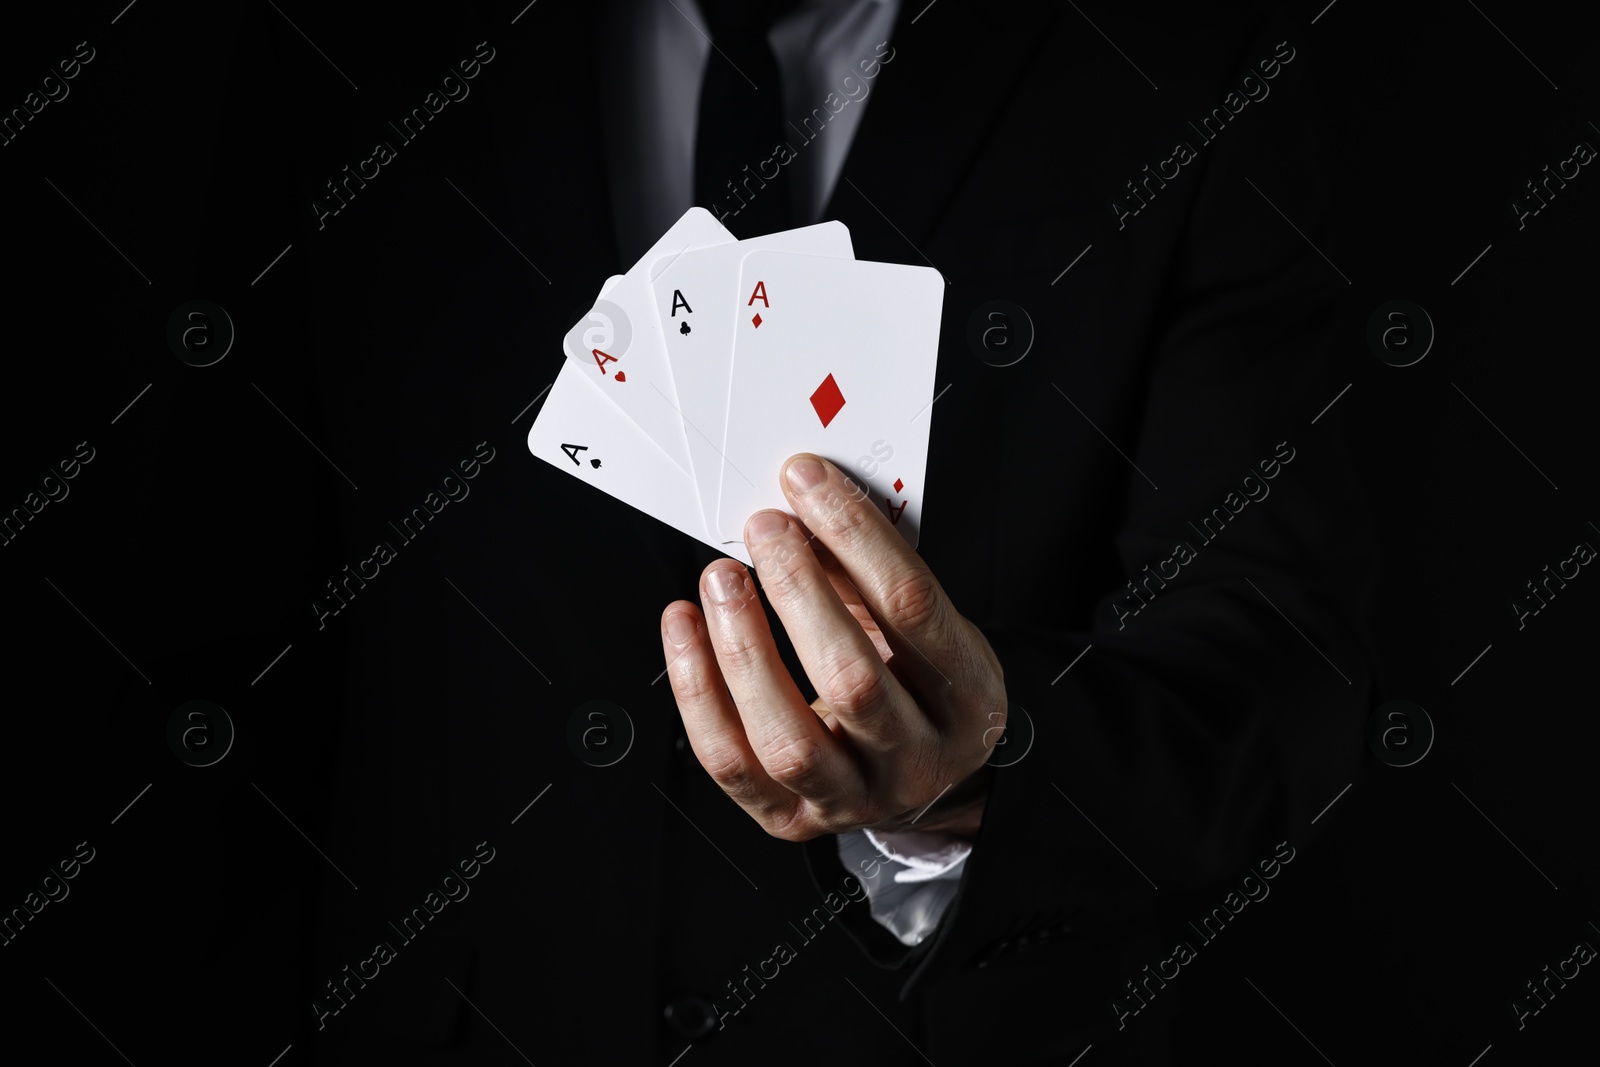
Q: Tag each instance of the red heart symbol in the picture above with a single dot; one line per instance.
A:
(621, 377)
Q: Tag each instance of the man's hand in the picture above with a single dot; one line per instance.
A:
(911, 699)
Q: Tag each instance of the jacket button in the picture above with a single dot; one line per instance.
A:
(692, 1018)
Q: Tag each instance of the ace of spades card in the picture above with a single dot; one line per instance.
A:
(579, 431)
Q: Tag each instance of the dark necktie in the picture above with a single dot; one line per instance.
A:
(741, 120)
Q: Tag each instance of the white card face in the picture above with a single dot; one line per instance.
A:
(581, 432)
(697, 299)
(840, 363)
(618, 343)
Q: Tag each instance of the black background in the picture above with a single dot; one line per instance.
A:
(189, 539)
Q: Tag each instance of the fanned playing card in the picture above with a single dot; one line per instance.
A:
(834, 357)
(579, 431)
(697, 302)
(617, 345)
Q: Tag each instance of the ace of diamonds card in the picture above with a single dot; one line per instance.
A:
(834, 357)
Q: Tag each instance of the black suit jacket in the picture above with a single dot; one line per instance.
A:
(1173, 351)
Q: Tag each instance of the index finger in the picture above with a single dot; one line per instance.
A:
(892, 579)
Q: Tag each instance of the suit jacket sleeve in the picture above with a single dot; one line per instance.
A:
(1218, 710)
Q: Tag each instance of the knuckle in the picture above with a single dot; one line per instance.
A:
(727, 766)
(795, 827)
(911, 600)
(857, 687)
(740, 650)
(731, 770)
(804, 821)
(694, 682)
(784, 573)
(793, 761)
(854, 521)
(844, 516)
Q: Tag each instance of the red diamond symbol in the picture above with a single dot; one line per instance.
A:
(757, 320)
(827, 400)
(898, 485)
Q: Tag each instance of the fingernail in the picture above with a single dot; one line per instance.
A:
(764, 526)
(806, 474)
(680, 628)
(725, 585)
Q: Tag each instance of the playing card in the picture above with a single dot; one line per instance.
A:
(697, 299)
(618, 343)
(579, 431)
(834, 357)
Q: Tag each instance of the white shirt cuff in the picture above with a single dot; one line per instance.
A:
(910, 877)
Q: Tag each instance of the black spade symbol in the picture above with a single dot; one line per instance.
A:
(684, 329)
(595, 463)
